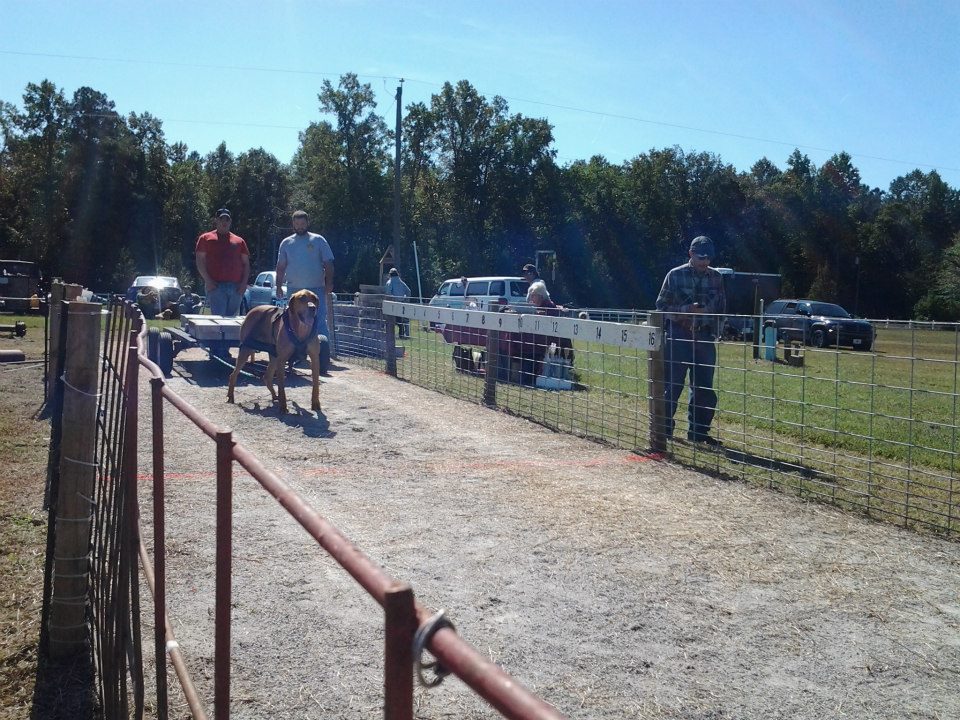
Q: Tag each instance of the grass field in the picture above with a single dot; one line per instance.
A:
(876, 432)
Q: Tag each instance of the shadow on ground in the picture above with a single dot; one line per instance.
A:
(314, 425)
(215, 372)
(64, 689)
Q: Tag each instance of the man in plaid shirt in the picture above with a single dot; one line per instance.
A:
(693, 298)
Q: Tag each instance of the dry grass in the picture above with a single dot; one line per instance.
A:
(23, 455)
(29, 686)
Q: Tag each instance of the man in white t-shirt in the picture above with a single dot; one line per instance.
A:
(305, 261)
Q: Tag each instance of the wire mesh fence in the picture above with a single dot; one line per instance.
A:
(91, 574)
(872, 429)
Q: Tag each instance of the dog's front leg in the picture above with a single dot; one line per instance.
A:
(281, 371)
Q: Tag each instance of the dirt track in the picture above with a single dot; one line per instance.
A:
(611, 586)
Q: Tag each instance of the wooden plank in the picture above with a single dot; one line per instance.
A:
(212, 327)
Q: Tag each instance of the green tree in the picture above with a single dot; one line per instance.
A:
(220, 169)
(97, 185)
(186, 210)
(467, 126)
(362, 138)
(421, 213)
(339, 175)
(833, 238)
(37, 148)
(145, 224)
(943, 302)
(262, 191)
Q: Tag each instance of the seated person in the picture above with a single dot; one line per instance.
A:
(171, 311)
(529, 350)
(189, 303)
(539, 297)
(148, 300)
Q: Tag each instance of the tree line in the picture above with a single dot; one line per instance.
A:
(98, 197)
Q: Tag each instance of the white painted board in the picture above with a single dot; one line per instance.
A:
(638, 337)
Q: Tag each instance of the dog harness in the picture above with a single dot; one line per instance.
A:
(300, 346)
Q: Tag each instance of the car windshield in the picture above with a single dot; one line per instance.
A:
(827, 310)
(155, 281)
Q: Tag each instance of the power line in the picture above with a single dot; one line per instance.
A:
(192, 66)
(234, 124)
(722, 133)
(569, 108)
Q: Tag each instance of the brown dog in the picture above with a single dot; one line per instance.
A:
(282, 333)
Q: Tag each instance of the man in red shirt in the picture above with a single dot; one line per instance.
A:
(224, 264)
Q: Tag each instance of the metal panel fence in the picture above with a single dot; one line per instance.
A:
(873, 431)
(92, 555)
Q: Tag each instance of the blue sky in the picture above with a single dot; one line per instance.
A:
(743, 80)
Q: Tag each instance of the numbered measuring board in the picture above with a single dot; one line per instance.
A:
(638, 337)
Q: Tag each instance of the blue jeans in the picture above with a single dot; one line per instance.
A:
(225, 299)
(698, 356)
(322, 327)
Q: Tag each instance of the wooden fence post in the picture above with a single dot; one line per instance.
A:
(655, 359)
(224, 579)
(78, 471)
(493, 368)
(390, 343)
(332, 326)
(58, 293)
(400, 628)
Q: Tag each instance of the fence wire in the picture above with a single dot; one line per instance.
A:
(114, 586)
(112, 593)
(872, 430)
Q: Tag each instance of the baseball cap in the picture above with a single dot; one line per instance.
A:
(702, 246)
(393, 271)
(223, 212)
(528, 268)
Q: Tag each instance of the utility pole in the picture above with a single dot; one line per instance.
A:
(545, 254)
(397, 252)
(856, 296)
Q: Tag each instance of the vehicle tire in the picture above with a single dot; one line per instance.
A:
(153, 344)
(864, 347)
(818, 338)
(165, 353)
(324, 357)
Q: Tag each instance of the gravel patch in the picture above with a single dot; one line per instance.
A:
(612, 585)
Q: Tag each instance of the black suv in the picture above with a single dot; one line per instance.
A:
(819, 324)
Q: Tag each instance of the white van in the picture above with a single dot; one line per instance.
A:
(482, 293)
